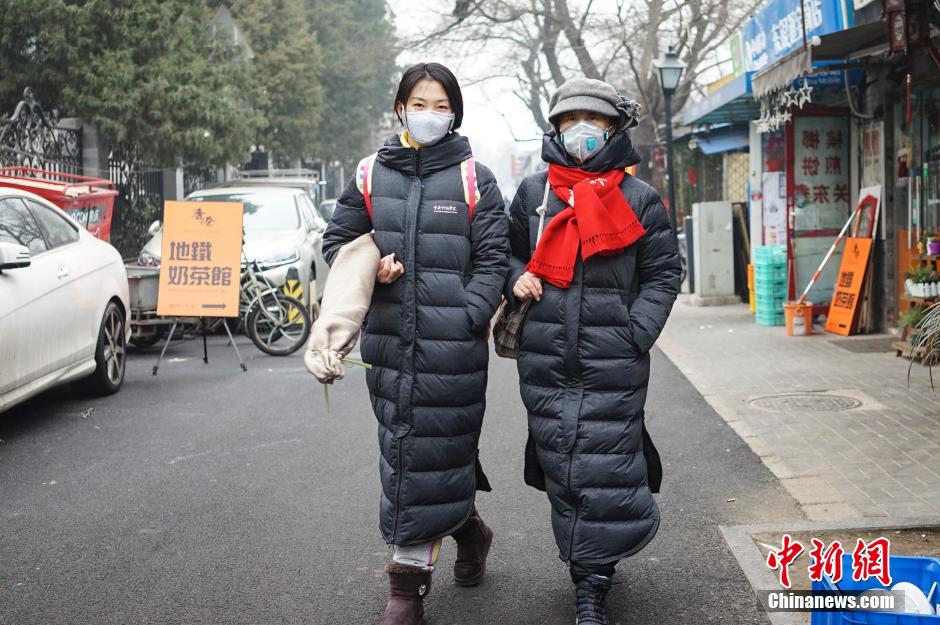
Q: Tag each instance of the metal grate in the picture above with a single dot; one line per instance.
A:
(737, 172)
(805, 402)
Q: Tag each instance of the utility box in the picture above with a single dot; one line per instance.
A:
(713, 254)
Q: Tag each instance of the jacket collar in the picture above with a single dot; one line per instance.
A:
(446, 153)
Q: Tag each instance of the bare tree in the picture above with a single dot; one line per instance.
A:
(543, 42)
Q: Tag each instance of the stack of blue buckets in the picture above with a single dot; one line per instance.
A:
(770, 284)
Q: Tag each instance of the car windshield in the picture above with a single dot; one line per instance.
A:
(264, 210)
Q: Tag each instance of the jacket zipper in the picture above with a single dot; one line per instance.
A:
(415, 317)
(580, 387)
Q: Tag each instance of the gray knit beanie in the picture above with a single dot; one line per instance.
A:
(597, 96)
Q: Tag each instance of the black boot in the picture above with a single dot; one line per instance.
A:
(473, 545)
(407, 588)
(591, 603)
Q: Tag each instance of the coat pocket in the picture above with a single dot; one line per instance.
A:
(627, 300)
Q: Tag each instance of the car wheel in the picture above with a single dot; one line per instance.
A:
(110, 355)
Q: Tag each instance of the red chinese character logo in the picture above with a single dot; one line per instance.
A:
(842, 193)
(828, 562)
(784, 558)
(810, 166)
(872, 560)
(811, 139)
(833, 164)
(834, 139)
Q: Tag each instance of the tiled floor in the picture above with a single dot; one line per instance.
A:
(880, 459)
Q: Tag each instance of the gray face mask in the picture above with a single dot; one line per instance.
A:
(428, 127)
(583, 140)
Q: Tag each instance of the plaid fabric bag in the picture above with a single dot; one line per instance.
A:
(507, 331)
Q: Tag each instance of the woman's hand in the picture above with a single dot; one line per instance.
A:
(527, 287)
(389, 269)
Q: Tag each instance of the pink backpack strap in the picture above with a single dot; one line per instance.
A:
(364, 180)
(471, 191)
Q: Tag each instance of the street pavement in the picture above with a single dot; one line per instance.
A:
(208, 495)
(853, 437)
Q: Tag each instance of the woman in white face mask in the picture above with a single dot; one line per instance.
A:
(440, 226)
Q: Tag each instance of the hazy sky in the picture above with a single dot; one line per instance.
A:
(492, 114)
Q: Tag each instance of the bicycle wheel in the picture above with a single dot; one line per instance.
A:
(277, 324)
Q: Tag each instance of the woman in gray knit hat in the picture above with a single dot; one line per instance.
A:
(601, 281)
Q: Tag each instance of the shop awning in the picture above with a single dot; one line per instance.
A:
(778, 75)
(731, 103)
(854, 43)
(849, 44)
(725, 142)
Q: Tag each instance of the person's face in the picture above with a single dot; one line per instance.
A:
(427, 95)
(568, 120)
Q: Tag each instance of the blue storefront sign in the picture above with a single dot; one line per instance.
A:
(777, 29)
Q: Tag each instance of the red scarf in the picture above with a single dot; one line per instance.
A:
(601, 221)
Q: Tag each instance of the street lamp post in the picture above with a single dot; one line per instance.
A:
(669, 69)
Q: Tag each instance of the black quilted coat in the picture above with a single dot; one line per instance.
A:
(584, 367)
(424, 333)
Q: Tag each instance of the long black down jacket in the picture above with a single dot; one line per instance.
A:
(424, 333)
(584, 367)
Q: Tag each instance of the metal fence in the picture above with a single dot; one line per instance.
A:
(30, 137)
(139, 202)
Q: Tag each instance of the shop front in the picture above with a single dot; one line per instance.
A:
(802, 186)
(915, 169)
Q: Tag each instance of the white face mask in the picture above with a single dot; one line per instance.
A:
(583, 140)
(428, 127)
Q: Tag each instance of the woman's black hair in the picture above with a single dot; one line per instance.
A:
(435, 71)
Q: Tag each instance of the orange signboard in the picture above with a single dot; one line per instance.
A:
(848, 287)
(201, 259)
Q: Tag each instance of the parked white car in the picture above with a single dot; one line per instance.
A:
(283, 231)
(63, 302)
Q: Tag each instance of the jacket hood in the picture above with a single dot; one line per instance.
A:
(447, 152)
(617, 154)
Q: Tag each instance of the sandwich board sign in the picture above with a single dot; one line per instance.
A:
(847, 295)
(200, 265)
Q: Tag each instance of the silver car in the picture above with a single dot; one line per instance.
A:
(283, 232)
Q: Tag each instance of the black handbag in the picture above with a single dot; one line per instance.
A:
(507, 331)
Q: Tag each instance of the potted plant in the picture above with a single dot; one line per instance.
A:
(911, 319)
(933, 246)
(925, 339)
(917, 280)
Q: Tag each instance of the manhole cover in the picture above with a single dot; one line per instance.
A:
(805, 402)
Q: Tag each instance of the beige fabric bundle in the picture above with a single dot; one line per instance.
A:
(346, 300)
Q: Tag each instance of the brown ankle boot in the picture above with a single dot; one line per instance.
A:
(473, 544)
(407, 588)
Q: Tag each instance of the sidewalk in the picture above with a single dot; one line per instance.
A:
(856, 442)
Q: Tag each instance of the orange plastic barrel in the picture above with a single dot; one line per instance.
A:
(798, 317)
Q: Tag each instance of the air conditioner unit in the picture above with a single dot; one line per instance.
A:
(713, 254)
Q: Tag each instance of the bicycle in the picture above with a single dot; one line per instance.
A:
(276, 323)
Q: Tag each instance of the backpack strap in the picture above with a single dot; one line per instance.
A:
(471, 191)
(364, 180)
(468, 174)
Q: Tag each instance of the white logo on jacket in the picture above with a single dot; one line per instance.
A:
(444, 209)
